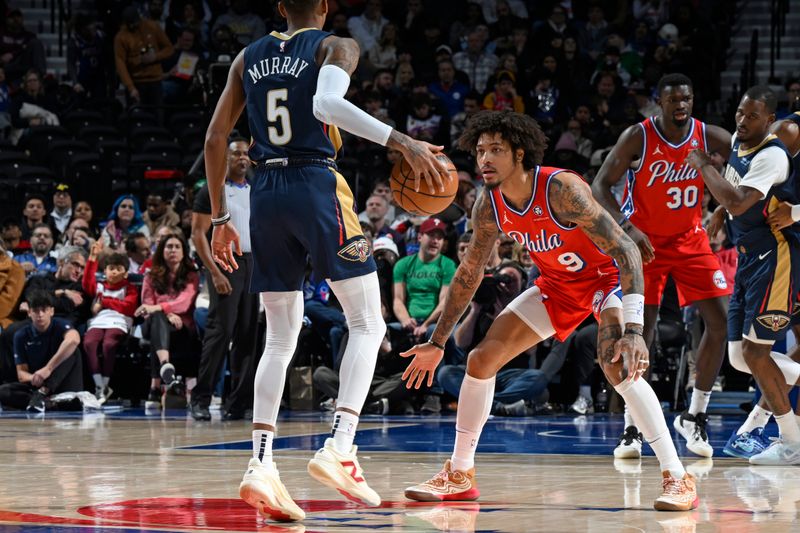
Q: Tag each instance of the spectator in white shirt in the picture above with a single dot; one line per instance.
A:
(366, 28)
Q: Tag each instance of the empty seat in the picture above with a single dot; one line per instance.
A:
(92, 135)
(77, 120)
(139, 136)
(40, 137)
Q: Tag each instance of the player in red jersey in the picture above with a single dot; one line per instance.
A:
(574, 242)
(661, 213)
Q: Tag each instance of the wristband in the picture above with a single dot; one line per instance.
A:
(796, 212)
(436, 344)
(221, 220)
(633, 309)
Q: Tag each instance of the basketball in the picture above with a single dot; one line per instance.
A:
(425, 202)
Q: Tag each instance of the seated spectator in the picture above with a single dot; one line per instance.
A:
(159, 213)
(424, 124)
(447, 89)
(180, 68)
(125, 219)
(366, 28)
(327, 318)
(376, 214)
(518, 385)
(465, 199)
(384, 53)
(5, 105)
(114, 303)
(168, 297)
(46, 358)
(246, 26)
(33, 213)
(475, 61)
(62, 207)
(32, 106)
(504, 97)
(66, 238)
(20, 50)
(385, 252)
(137, 248)
(39, 259)
(192, 16)
(12, 281)
(472, 104)
(83, 210)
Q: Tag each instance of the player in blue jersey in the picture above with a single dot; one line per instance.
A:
(758, 178)
(293, 85)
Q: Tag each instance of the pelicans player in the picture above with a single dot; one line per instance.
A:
(759, 176)
(574, 243)
(662, 213)
(293, 85)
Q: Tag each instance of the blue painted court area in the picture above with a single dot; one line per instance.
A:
(590, 435)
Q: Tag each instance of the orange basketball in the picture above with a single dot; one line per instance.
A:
(425, 202)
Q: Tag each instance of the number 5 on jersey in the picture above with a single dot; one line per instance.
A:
(278, 115)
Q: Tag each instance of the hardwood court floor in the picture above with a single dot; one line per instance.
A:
(129, 472)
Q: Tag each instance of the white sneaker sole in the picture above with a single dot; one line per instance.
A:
(267, 504)
(627, 453)
(700, 449)
(331, 475)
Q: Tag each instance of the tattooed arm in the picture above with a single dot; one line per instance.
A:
(572, 202)
(469, 274)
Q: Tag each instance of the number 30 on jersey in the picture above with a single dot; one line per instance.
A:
(682, 197)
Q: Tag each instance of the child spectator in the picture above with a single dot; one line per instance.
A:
(115, 301)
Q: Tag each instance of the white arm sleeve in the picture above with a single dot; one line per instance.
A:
(769, 167)
(330, 107)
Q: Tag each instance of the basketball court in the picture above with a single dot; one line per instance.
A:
(127, 471)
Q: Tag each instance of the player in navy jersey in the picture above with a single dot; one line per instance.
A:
(293, 85)
(758, 178)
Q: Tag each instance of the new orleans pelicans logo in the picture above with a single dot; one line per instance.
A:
(358, 250)
(773, 321)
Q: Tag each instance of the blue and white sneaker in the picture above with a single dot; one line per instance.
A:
(779, 453)
(747, 444)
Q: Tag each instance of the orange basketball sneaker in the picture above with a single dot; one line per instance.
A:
(678, 495)
(448, 485)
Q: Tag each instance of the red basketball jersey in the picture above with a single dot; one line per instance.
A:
(664, 195)
(562, 253)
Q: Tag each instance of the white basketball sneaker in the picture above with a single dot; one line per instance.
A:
(262, 489)
(693, 429)
(629, 445)
(779, 453)
(342, 472)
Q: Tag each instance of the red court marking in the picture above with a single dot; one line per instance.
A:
(204, 514)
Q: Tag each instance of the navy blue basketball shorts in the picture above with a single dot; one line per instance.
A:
(764, 294)
(299, 213)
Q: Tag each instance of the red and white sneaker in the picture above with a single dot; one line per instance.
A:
(342, 472)
(678, 495)
(262, 489)
(448, 485)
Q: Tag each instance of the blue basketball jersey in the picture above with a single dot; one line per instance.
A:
(750, 229)
(280, 79)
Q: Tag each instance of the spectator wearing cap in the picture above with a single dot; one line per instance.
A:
(475, 61)
(447, 89)
(62, 207)
(376, 214)
(20, 50)
(46, 358)
(386, 255)
(139, 48)
(366, 28)
(504, 97)
(38, 259)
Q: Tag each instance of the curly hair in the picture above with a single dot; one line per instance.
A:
(520, 131)
(160, 271)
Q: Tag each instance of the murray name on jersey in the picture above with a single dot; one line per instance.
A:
(276, 66)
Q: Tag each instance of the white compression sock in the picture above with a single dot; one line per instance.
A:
(757, 418)
(284, 312)
(106, 379)
(361, 302)
(649, 419)
(262, 447)
(790, 432)
(344, 431)
(628, 418)
(474, 405)
(699, 402)
(585, 391)
(98, 380)
(788, 366)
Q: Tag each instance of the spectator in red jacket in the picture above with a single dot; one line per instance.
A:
(113, 308)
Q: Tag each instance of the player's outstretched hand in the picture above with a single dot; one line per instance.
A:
(426, 359)
(717, 222)
(641, 240)
(632, 349)
(221, 250)
(780, 217)
(422, 158)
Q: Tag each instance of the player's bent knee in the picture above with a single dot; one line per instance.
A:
(614, 372)
(481, 364)
(736, 357)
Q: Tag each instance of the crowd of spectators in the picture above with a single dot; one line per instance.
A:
(130, 280)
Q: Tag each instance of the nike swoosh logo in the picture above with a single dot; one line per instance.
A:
(765, 254)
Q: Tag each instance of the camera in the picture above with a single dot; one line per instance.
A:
(487, 290)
